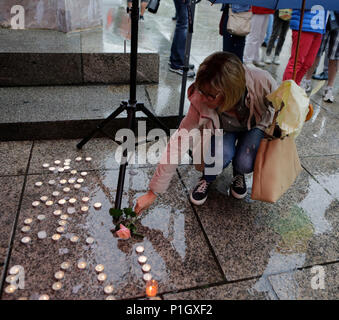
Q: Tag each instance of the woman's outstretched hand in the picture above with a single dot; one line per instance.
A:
(144, 202)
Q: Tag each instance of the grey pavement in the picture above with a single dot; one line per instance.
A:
(224, 249)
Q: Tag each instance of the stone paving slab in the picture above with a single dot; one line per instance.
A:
(298, 285)
(243, 290)
(325, 170)
(14, 157)
(252, 238)
(10, 192)
(174, 243)
(319, 135)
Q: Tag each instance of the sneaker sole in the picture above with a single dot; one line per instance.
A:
(197, 202)
(238, 196)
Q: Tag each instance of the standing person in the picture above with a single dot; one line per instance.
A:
(143, 6)
(280, 28)
(229, 95)
(177, 58)
(314, 25)
(330, 38)
(269, 31)
(232, 43)
(256, 37)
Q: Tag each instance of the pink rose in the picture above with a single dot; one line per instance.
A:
(123, 232)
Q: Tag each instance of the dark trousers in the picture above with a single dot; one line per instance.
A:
(231, 43)
(280, 28)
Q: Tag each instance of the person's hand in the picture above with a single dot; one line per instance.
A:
(144, 202)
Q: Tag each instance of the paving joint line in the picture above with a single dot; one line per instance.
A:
(9, 251)
(203, 230)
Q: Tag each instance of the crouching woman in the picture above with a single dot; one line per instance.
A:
(226, 95)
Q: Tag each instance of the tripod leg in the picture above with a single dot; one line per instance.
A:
(122, 170)
(100, 126)
(150, 115)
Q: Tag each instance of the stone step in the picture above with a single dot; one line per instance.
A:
(65, 112)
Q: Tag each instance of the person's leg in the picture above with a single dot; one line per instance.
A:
(232, 43)
(275, 33)
(243, 161)
(253, 38)
(222, 149)
(179, 39)
(260, 36)
(310, 56)
(284, 27)
(305, 42)
(143, 6)
(270, 28)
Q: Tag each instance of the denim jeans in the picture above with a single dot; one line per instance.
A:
(241, 154)
(177, 57)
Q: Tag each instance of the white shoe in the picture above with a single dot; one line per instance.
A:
(276, 60)
(306, 85)
(329, 95)
(259, 63)
(268, 60)
(250, 65)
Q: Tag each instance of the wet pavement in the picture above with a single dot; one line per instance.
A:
(225, 249)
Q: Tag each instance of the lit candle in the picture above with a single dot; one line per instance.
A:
(63, 181)
(45, 165)
(74, 172)
(38, 184)
(102, 276)
(89, 240)
(142, 259)
(11, 288)
(78, 159)
(26, 240)
(62, 201)
(72, 200)
(57, 162)
(51, 168)
(84, 209)
(28, 221)
(146, 268)
(15, 269)
(139, 249)
(84, 173)
(59, 275)
(57, 212)
(60, 229)
(147, 277)
(151, 288)
(77, 186)
(74, 239)
(35, 203)
(82, 265)
(43, 198)
(56, 237)
(61, 170)
(49, 203)
(99, 268)
(85, 199)
(25, 228)
(88, 159)
(65, 265)
(108, 289)
(64, 216)
(62, 223)
(57, 286)
(80, 180)
(67, 189)
(51, 182)
(44, 297)
(97, 205)
(41, 217)
(55, 193)
(71, 180)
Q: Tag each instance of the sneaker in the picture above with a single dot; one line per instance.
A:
(199, 194)
(190, 73)
(321, 76)
(259, 63)
(264, 44)
(238, 187)
(306, 85)
(249, 64)
(142, 18)
(276, 60)
(268, 59)
(329, 95)
(190, 66)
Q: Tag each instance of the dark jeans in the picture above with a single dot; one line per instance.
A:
(280, 28)
(177, 57)
(232, 43)
(242, 155)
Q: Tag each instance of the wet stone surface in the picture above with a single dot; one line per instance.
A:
(174, 243)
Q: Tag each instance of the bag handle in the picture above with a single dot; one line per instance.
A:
(272, 126)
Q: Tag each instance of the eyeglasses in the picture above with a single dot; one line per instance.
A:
(209, 96)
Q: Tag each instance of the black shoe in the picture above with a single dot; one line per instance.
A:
(199, 194)
(190, 73)
(174, 18)
(264, 44)
(321, 76)
(238, 187)
(190, 66)
(142, 17)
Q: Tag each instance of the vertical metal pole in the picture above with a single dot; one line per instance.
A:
(134, 50)
(298, 41)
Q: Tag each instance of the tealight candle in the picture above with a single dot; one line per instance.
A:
(147, 277)
(11, 288)
(64, 217)
(11, 278)
(45, 165)
(61, 170)
(66, 166)
(72, 200)
(84, 209)
(139, 249)
(51, 168)
(88, 159)
(42, 235)
(82, 265)
(78, 159)
(80, 180)
(63, 181)
(57, 162)
(74, 239)
(65, 265)
(67, 189)
(55, 193)
(38, 184)
(99, 268)
(26, 240)
(57, 286)
(84, 173)
(85, 199)
(49, 203)
(97, 205)
(89, 240)
(25, 228)
(35, 203)
(108, 289)
(71, 181)
(41, 217)
(151, 288)
(68, 160)
(102, 276)
(142, 259)
(51, 182)
(57, 212)
(44, 198)
(59, 275)
(44, 297)
(62, 222)
(56, 237)
(15, 269)
(146, 268)
(60, 229)
(28, 221)
(110, 298)
(77, 186)
(62, 201)
(74, 172)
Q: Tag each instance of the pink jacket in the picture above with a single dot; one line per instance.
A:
(259, 84)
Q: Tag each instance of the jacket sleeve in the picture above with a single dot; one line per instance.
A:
(165, 170)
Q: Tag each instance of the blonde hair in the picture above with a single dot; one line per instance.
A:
(224, 72)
